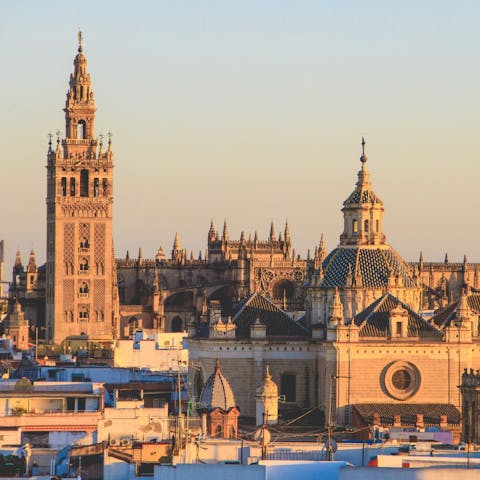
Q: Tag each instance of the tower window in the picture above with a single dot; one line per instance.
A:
(96, 187)
(63, 187)
(72, 187)
(84, 265)
(84, 183)
(105, 186)
(365, 226)
(83, 315)
(377, 225)
(84, 288)
(288, 387)
(355, 226)
(81, 130)
(84, 243)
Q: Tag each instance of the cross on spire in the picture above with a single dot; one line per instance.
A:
(80, 40)
(364, 157)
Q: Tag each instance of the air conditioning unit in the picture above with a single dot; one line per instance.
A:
(126, 442)
(114, 442)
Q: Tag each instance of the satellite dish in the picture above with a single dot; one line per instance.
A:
(262, 436)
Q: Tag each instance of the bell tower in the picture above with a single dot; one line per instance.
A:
(80, 263)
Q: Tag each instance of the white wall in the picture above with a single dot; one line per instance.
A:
(408, 474)
(268, 470)
(142, 423)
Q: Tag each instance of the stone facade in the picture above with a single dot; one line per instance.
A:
(370, 339)
(80, 289)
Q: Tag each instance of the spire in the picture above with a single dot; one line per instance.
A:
(287, 233)
(336, 309)
(58, 150)
(80, 105)
(32, 266)
(18, 261)
(322, 249)
(211, 233)
(225, 231)
(176, 243)
(446, 258)
(272, 233)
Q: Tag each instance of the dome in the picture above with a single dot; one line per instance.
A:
(366, 266)
(217, 392)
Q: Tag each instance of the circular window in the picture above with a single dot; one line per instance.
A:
(400, 380)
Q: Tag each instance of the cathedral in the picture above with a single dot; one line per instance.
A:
(355, 332)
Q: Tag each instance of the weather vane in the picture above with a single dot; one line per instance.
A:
(80, 38)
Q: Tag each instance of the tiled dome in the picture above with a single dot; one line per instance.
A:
(370, 264)
(217, 392)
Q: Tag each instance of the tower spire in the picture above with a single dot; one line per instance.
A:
(287, 232)
(272, 233)
(225, 231)
(80, 106)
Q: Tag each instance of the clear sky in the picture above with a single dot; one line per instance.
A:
(252, 111)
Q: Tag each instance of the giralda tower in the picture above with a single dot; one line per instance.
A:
(81, 291)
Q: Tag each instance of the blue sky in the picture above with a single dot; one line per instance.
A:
(252, 111)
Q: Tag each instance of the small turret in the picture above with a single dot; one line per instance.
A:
(211, 233)
(32, 266)
(335, 316)
(225, 232)
(177, 252)
(267, 401)
(272, 233)
(287, 233)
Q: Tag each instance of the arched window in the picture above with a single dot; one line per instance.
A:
(83, 314)
(218, 431)
(377, 226)
(84, 265)
(84, 243)
(63, 187)
(365, 226)
(84, 288)
(96, 187)
(81, 130)
(355, 226)
(72, 187)
(84, 183)
(177, 324)
(105, 187)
